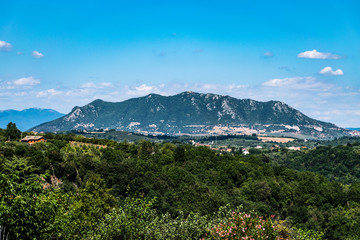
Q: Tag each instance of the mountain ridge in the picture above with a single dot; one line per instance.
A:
(194, 113)
(27, 118)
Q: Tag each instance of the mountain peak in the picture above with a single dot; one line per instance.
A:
(152, 95)
(97, 101)
(189, 93)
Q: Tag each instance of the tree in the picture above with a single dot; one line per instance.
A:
(25, 207)
(81, 211)
(145, 149)
(12, 132)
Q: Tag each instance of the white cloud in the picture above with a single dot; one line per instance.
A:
(329, 71)
(308, 83)
(20, 94)
(144, 89)
(100, 85)
(318, 55)
(310, 95)
(29, 81)
(268, 54)
(88, 85)
(37, 54)
(5, 46)
(215, 88)
(105, 84)
(48, 93)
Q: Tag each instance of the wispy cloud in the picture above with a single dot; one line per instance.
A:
(299, 92)
(268, 54)
(216, 88)
(144, 89)
(314, 54)
(5, 46)
(309, 83)
(37, 54)
(26, 82)
(29, 81)
(99, 85)
(330, 71)
(20, 94)
(48, 93)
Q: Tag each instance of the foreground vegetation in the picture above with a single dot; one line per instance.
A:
(73, 187)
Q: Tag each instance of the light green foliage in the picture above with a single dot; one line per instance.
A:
(25, 208)
(344, 223)
(130, 221)
(302, 234)
(137, 219)
(19, 167)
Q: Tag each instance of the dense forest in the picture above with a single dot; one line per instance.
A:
(340, 163)
(72, 187)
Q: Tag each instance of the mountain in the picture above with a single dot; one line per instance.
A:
(27, 118)
(194, 113)
(353, 129)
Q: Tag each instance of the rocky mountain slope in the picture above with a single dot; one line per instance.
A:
(194, 113)
(27, 118)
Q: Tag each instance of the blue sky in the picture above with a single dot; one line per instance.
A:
(59, 54)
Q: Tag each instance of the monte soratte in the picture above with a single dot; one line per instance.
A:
(193, 113)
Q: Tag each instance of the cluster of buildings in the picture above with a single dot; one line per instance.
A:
(245, 151)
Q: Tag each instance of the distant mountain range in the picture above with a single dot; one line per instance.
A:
(194, 113)
(353, 129)
(27, 118)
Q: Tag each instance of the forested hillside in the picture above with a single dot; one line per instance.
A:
(340, 163)
(73, 187)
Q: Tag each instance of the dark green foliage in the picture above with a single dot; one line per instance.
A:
(187, 182)
(340, 163)
(11, 132)
(81, 210)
